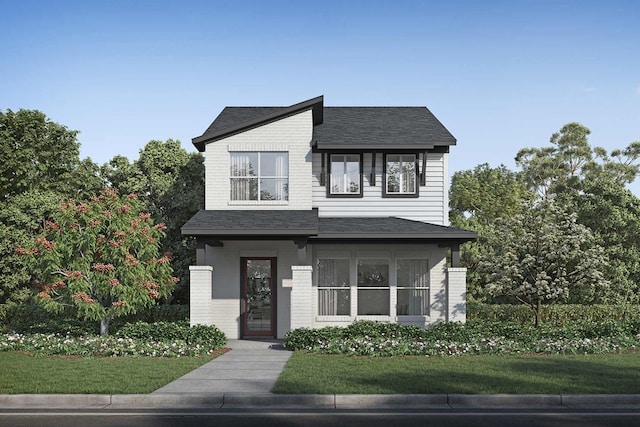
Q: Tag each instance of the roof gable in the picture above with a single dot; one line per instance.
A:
(234, 120)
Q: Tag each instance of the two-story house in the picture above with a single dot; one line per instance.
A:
(319, 216)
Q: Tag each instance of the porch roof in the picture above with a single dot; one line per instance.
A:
(253, 223)
(388, 228)
(283, 224)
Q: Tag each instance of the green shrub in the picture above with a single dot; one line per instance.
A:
(556, 314)
(34, 319)
(202, 335)
(475, 337)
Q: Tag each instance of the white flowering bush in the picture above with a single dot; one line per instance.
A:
(476, 337)
(170, 340)
(58, 344)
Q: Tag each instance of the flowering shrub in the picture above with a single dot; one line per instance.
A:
(185, 341)
(109, 346)
(475, 337)
(175, 331)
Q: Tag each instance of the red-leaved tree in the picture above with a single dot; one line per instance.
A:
(100, 258)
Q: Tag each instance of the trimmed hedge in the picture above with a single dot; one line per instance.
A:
(202, 335)
(555, 314)
(35, 319)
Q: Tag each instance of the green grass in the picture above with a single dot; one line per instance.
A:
(23, 373)
(535, 374)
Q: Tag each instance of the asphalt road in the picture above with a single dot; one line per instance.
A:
(305, 418)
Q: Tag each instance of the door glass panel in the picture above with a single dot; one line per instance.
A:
(258, 297)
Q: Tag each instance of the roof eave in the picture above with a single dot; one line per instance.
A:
(247, 232)
(315, 104)
(466, 236)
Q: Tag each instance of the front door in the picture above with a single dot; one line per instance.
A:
(258, 297)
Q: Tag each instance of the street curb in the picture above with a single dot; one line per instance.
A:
(269, 400)
(319, 401)
(605, 400)
(193, 400)
(505, 401)
(371, 401)
(54, 401)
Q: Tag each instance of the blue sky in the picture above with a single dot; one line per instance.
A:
(501, 75)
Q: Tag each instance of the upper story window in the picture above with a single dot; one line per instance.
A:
(345, 175)
(401, 175)
(259, 176)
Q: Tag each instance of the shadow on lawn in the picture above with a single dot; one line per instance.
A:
(532, 374)
(478, 375)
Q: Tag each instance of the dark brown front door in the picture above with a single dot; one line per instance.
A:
(258, 297)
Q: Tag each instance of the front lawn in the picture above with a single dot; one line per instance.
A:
(23, 373)
(515, 374)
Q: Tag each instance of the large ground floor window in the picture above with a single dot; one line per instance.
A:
(372, 286)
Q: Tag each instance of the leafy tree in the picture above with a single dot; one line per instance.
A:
(39, 154)
(591, 182)
(21, 218)
(478, 199)
(563, 167)
(183, 200)
(100, 259)
(171, 183)
(543, 255)
(612, 212)
(151, 175)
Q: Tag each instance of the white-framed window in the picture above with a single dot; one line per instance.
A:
(334, 292)
(412, 287)
(345, 178)
(373, 287)
(260, 176)
(401, 175)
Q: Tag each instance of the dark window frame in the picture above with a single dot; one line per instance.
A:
(418, 177)
(328, 180)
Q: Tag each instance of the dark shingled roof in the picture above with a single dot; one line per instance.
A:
(387, 228)
(380, 127)
(288, 223)
(234, 120)
(252, 222)
(341, 127)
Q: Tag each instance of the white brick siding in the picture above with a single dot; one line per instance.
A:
(291, 134)
(201, 303)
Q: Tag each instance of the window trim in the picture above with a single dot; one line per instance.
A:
(416, 166)
(328, 180)
(258, 177)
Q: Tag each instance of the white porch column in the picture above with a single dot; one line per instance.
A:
(200, 296)
(301, 296)
(456, 294)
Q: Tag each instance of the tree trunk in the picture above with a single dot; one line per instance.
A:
(537, 311)
(104, 326)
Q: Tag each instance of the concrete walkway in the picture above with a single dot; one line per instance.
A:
(251, 366)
